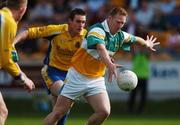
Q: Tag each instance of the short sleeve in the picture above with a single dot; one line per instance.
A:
(129, 39)
(95, 36)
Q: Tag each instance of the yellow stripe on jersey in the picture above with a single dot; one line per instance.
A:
(8, 31)
(45, 76)
(91, 66)
(96, 35)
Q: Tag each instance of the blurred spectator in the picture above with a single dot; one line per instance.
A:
(95, 5)
(99, 16)
(133, 4)
(60, 6)
(2, 3)
(173, 18)
(145, 14)
(42, 45)
(167, 6)
(114, 3)
(77, 4)
(61, 11)
(96, 10)
(159, 22)
(158, 16)
(43, 11)
(29, 47)
(141, 68)
(174, 43)
(131, 25)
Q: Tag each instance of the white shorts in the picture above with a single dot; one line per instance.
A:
(77, 85)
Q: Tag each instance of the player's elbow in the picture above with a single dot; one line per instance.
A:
(13, 70)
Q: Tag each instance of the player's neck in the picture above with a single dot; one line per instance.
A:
(110, 27)
(72, 33)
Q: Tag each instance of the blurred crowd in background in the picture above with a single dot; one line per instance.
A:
(160, 18)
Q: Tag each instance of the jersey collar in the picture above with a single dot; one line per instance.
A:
(105, 26)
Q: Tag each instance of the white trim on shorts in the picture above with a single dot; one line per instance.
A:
(77, 85)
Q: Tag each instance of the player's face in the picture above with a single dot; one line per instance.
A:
(77, 24)
(117, 22)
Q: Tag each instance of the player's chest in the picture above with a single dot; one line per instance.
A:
(66, 42)
(113, 43)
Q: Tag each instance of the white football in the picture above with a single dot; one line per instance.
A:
(127, 80)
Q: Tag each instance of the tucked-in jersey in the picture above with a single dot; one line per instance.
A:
(87, 60)
(62, 44)
(8, 28)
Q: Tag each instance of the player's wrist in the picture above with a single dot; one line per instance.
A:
(147, 44)
(20, 79)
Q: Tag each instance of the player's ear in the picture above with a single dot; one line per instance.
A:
(22, 10)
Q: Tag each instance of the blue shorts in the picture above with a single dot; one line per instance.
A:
(51, 75)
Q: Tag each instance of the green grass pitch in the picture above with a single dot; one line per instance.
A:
(109, 121)
(156, 113)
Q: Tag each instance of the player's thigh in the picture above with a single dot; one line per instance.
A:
(56, 87)
(53, 79)
(63, 104)
(3, 108)
(99, 102)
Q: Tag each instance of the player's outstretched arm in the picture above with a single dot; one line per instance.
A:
(150, 42)
(20, 37)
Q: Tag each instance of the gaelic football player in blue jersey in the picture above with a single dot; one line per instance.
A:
(65, 40)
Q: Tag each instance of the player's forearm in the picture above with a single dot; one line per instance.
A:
(105, 58)
(20, 37)
(141, 41)
(12, 69)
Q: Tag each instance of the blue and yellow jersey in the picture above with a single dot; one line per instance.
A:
(62, 44)
(87, 60)
(8, 28)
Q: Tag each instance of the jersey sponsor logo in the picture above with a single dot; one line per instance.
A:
(66, 52)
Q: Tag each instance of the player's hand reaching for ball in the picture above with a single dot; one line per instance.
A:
(151, 42)
(112, 71)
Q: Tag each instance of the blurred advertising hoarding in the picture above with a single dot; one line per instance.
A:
(164, 79)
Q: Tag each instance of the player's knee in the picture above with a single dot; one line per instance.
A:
(58, 114)
(4, 112)
(104, 113)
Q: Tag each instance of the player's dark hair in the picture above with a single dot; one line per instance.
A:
(16, 4)
(76, 11)
(118, 10)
